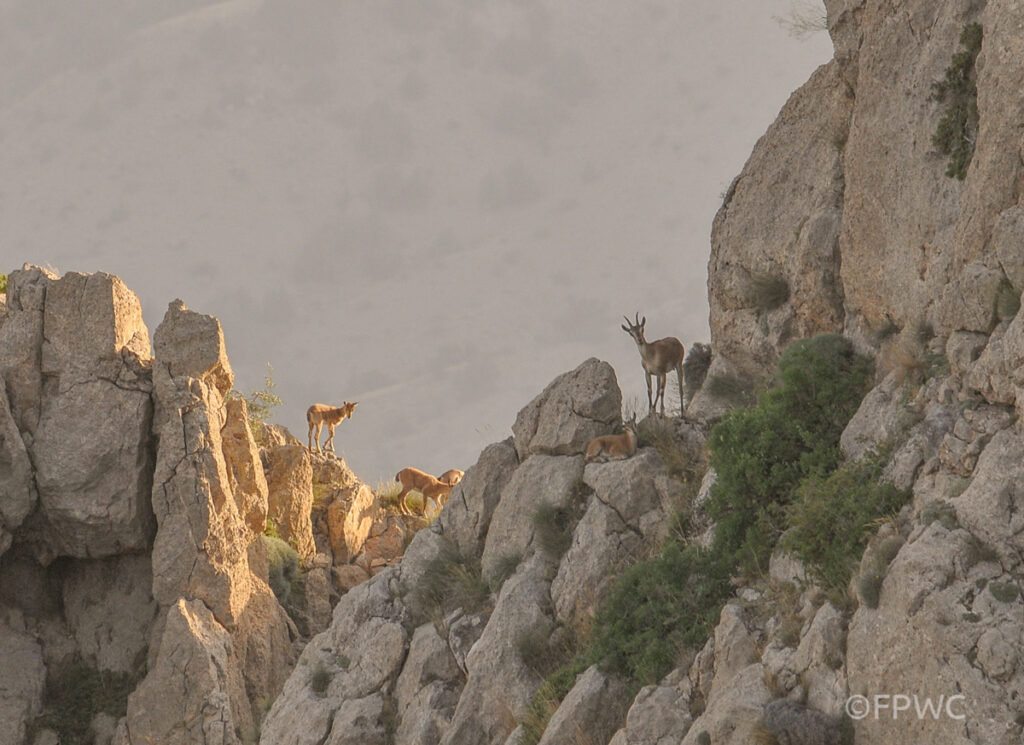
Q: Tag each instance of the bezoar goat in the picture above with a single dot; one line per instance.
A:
(658, 359)
(318, 415)
(451, 476)
(413, 479)
(613, 447)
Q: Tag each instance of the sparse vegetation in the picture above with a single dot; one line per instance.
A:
(284, 567)
(957, 131)
(75, 693)
(924, 332)
(695, 368)
(451, 581)
(504, 568)
(803, 19)
(3, 284)
(552, 529)
(1004, 592)
(260, 404)
(766, 292)
(1007, 301)
(831, 514)
(886, 331)
(874, 568)
(939, 511)
(320, 679)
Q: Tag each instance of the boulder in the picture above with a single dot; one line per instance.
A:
(553, 480)
(427, 689)
(659, 713)
(467, 515)
(591, 712)
(351, 514)
(18, 493)
(193, 662)
(245, 470)
(21, 343)
(576, 407)
(290, 486)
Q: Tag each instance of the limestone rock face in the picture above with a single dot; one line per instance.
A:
(593, 709)
(195, 653)
(109, 608)
(467, 516)
(575, 408)
(21, 685)
(91, 444)
(21, 344)
(18, 493)
(200, 550)
(541, 480)
(290, 485)
(245, 470)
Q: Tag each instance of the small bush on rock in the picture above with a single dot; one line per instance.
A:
(284, 567)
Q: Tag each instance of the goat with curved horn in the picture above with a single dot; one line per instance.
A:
(658, 358)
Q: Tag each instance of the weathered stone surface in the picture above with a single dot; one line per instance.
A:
(191, 345)
(969, 301)
(360, 721)
(881, 417)
(659, 714)
(499, 684)
(92, 442)
(245, 470)
(110, 611)
(362, 651)
(21, 685)
(427, 689)
(795, 238)
(542, 479)
(21, 343)
(591, 712)
(467, 516)
(576, 407)
(194, 662)
(17, 486)
(733, 709)
(290, 486)
(795, 724)
(1007, 238)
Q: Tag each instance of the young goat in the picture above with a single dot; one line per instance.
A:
(413, 479)
(318, 415)
(612, 447)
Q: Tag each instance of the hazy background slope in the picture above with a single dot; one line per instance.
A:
(431, 208)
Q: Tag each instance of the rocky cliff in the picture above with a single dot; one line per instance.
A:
(133, 501)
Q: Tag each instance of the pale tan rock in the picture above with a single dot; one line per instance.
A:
(351, 514)
(186, 697)
(191, 345)
(553, 480)
(21, 341)
(576, 407)
(467, 515)
(347, 576)
(290, 485)
(427, 689)
(244, 468)
(591, 712)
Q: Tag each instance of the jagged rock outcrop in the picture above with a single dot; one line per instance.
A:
(460, 677)
(290, 486)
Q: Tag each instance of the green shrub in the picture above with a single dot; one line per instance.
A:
(546, 699)
(657, 608)
(284, 567)
(830, 517)
(874, 568)
(260, 404)
(763, 452)
(1004, 592)
(3, 284)
(734, 389)
(320, 679)
(886, 331)
(552, 528)
(704, 738)
(957, 130)
(924, 332)
(451, 581)
(77, 692)
(766, 292)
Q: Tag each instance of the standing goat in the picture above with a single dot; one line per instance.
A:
(451, 477)
(318, 415)
(413, 479)
(658, 358)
